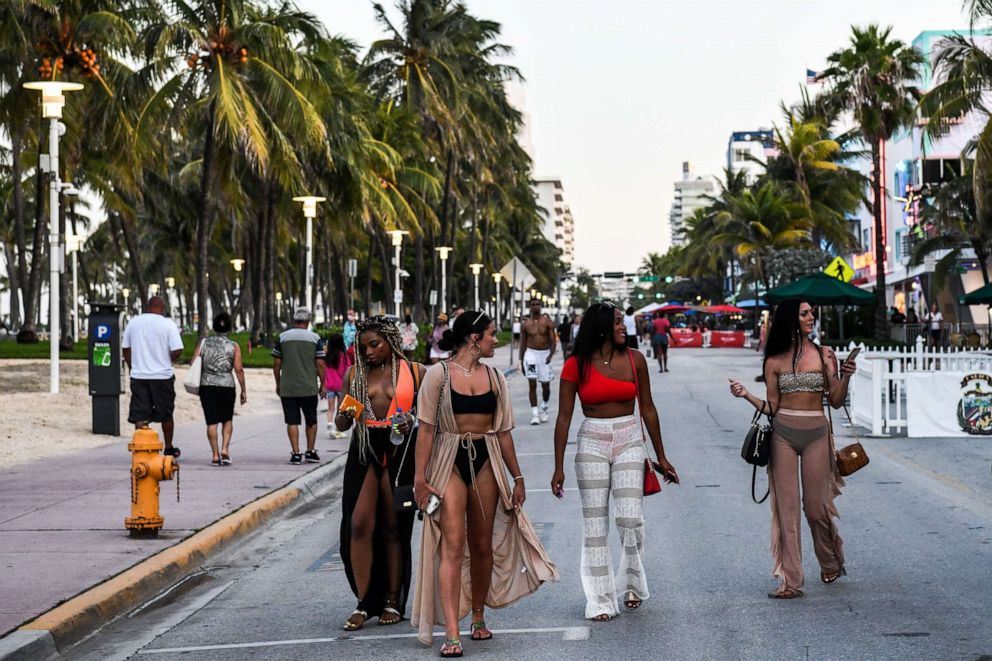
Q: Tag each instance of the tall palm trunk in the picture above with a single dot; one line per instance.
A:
(204, 222)
(418, 280)
(878, 190)
(367, 303)
(33, 296)
(268, 265)
(19, 270)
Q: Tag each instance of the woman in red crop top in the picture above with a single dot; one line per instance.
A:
(608, 378)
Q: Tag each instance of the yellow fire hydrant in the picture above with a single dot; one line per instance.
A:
(148, 467)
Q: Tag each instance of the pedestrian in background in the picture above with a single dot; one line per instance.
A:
(609, 378)
(336, 364)
(661, 330)
(516, 332)
(630, 324)
(374, 537)
(348, 332)
(151, 344)
(464, 449)
(408, 335)
(299, 372)
(221, 363)
(798, 374)
(565, 335)
(440, 325)
(934, 320)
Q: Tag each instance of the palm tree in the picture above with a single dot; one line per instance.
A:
(760, 222)
(232, 65)
(874, 78)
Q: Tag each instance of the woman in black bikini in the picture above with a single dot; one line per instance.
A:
(464, 450)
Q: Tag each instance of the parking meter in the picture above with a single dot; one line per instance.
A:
(106, 369)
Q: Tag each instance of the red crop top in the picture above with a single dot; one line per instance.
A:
(597, 387)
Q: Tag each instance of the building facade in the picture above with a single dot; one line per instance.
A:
(747, 150)
(913, 163)
(690, 193)
(559, 227)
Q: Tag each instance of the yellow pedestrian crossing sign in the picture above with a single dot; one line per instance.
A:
(840, 269)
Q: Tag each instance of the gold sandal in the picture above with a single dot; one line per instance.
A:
(355, 626)
(632, 603)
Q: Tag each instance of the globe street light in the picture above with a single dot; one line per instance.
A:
(443, 252)
(52, 102)
(237, 263)
(310, 212)
(476, 270)
(278, 305)
(397, 236)
(497, 276)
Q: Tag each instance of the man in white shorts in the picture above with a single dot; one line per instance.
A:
(537, 346)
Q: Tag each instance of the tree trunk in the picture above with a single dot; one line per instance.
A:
(15, 300)
(367, 303)
(21, 266)
(268, 268)
(204, 222)
(32, 297)
(878, 188)
(982, 257)
(132, 256)
(65, 339)
(418, 280)
(256, 240)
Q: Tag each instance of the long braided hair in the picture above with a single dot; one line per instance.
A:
(359, 385)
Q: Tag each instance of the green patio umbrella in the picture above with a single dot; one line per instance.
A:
(821, 289)
(981, 296)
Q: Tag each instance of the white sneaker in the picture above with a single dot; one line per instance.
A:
(338, 434)
(543, 415)
(535, 420)
(330, 431)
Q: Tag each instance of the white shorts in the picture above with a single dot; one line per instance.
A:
(536, 366)
(437, 353)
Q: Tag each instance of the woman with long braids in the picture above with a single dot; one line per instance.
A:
(375, 540)
(609, 377)
(464, 450)
(798, 374)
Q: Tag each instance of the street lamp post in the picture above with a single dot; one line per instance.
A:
(126, 293)
(310, 212)
(443, 252)
(279, 306)
(72, 243)
(397, 236)
(497, 276)
(476, 270)
(52, 102)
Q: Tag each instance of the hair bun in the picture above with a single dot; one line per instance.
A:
(447, 341)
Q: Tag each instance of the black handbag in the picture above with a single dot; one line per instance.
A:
(757, 447)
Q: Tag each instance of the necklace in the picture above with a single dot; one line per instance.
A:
(468, 370)
(608, 361)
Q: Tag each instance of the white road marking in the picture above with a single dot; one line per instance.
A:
(568, 633)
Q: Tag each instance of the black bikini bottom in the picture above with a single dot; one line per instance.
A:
(468, 468)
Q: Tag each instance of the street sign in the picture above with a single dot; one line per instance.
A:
(839, 269)
(648, 278)
(517, 274)
(614, 275)
(433, 297)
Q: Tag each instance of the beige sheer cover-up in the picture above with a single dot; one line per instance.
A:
(520, 563)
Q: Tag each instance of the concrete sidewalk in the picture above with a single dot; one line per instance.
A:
(62, 520)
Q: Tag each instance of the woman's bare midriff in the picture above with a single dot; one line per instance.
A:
(474, 423)
(608, 410)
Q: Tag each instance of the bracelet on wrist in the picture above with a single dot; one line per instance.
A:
(518, 477)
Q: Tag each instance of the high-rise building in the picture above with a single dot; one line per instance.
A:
(691, 193)
(746, 146)
(559, 227)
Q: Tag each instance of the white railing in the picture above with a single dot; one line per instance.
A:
(878, 388)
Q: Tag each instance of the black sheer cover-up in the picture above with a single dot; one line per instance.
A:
(387, 458)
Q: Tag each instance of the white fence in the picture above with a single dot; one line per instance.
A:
(878, 388)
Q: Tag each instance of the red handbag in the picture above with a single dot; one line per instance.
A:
(652, 484)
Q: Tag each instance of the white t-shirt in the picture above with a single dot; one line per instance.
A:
(935, 319)
(630, 324)
(151, 338)
(516, 328)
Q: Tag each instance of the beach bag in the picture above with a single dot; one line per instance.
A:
(192, 380)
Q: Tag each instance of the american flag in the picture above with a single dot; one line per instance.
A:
(812, 77)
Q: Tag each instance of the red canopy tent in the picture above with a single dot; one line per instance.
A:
(672, 308)
(724, 309)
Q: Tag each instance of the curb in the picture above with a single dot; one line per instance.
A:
(70, 622)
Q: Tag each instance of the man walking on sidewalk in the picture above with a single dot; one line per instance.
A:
(537, 346)
(151, 344)
(299, 372)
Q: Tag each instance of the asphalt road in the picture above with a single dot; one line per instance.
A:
(917, 526)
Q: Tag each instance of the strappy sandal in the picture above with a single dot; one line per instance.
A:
(452, 649)
(831, 576)
(602, 617)
(390, 609)
(632, 603)
(787, 593)
(480, 631)
(225, 459)
(355, 626)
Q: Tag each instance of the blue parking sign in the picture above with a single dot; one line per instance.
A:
(101, 332)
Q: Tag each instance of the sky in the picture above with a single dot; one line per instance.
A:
(620, 94)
